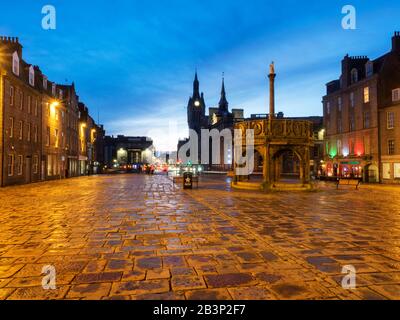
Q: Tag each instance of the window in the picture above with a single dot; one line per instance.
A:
(19, 165)
(328, 107)
(391, 147)
(339, 146)
(390, 120)
(56, 114)
(28, 137)
(396, 95)
(369, 69)
(48, 136)
(36, 108)
(21, 130)
(11, 95)
(340, 125)
(35, 134)
(29, 104)
(354, 76)
(21, 100)
(56, 135)
(10, 165)
(352, 99)
(351, 146)
(15, 63)
(340, 103)
(366, 94)
(35, 164)
(45, 82)
(31, 76)
(49, 165)
(366, 119)
(351, 123)
(60, 94)
(53, 89)
(11, 127)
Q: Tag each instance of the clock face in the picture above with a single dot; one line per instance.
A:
(197, 103)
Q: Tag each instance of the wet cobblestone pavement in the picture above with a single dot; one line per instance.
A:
(138, 237)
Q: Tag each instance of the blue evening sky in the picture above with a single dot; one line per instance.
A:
(134, 61)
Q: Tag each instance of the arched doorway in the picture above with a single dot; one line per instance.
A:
(287, 166)
(258, 162)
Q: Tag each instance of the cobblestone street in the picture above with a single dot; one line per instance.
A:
(138, 237)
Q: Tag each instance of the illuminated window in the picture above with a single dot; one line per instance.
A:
(20, 165)
(396, 95)
(390, 120)
(56, 135)
(10, 165)
(21, 130)
(48, 136)
(391, 150)
(21, 100)
(11, 127)
(366, 94)
(15, 63)
(36, 108)
(29, 133)
(35, 135)
(11, 95)
(29, 104)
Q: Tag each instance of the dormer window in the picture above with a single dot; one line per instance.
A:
(31, 76)
(354, 76)
(15, 63)
(45, 82)
(396, 95)
(369, 69)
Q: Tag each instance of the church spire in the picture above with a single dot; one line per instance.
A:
(196, 86)
(223, 103)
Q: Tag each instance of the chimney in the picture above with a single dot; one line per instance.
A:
(396, 41)
(12, 43)
(272, 76)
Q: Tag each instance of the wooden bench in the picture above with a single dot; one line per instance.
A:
(348, 182)
(179, 180)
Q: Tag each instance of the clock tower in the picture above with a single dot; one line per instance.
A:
(197, 108)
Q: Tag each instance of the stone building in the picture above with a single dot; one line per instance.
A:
(218, 119)
(20, 115)
(38, 121)
(360, 113)
(123, 151)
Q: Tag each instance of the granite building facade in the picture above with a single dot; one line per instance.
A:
(39, 130)
(360, 113)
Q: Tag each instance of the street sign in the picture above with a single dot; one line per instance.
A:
(188, 180)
